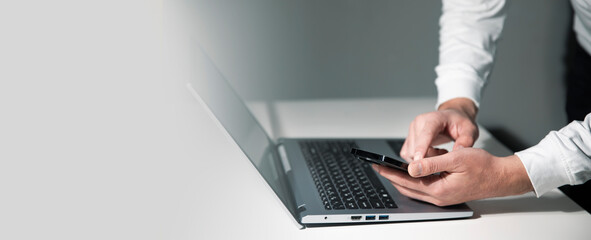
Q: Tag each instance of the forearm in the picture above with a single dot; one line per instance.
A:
(468, 34)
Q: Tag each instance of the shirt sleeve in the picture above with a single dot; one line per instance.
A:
(562, 157)
(469, 30)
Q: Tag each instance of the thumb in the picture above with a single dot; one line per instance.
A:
(428, 166)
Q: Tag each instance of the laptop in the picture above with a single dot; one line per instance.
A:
(318, 180)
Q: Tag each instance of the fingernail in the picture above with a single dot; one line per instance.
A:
(418, 156)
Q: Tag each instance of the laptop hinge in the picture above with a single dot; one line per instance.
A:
(283, 157)
(287, 169)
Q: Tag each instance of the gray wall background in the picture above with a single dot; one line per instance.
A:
(277, 50)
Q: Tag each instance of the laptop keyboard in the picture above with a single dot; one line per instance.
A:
(344, 182)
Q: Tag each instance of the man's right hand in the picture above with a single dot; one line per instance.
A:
(454, 120)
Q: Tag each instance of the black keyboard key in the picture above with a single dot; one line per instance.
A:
(351, 181)
(363, 180)
(387, 200)
(376, 203)
(313, 150)
(364, 204)
(346, 194)
(373, 196)
(338, 206)
(351, 205)
(391, 205)
(330, 193)
(359, 195)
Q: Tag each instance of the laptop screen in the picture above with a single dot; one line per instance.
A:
(209, 85)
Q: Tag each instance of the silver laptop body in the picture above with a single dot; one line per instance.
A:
(283, 166)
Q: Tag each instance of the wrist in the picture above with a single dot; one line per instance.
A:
(464, 105)
(514, 172)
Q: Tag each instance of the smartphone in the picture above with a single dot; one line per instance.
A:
(379, 159)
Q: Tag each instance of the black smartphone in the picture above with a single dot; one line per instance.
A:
(379, 159)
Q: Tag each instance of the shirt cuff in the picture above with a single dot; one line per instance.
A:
(545, 165)
(457, 83)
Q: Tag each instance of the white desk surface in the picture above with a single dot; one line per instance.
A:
(157, 166)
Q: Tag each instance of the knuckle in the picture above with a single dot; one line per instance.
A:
(403, 150)
(425, 117)
(436, 115)
(455, 160)
(419, 118)
(430, 166)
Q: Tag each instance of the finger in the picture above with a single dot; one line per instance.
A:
(417, 188)
(467, 135)
(432, 152)
(403, 179)
(441, 139)
(406, 151)
(425, 139)
(408, 145)
(403, 151)
(464, 142)
(428, 166)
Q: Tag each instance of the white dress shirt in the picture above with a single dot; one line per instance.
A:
(562, 157)
(582, 22)
(468, 35)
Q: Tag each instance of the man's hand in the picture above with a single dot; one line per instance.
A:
(454, 120)
(465, 174)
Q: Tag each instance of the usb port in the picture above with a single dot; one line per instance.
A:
(384, 217)
(370, 217)
(355, 217)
